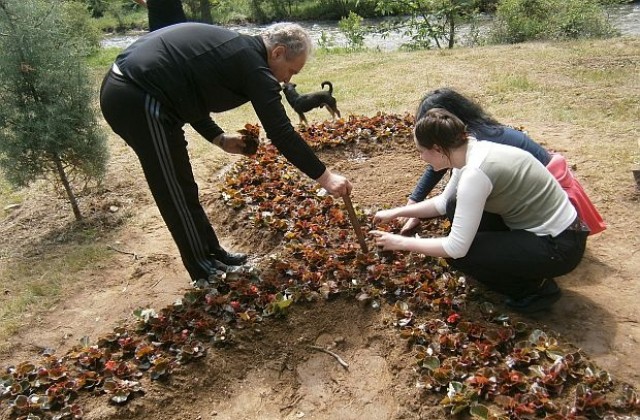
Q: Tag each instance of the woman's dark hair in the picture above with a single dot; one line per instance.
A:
(469, 112)
(440, 127)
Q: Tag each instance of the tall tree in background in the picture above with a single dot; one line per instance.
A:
(48, 124)
(205, 11)
(427, 22)
(200, 10)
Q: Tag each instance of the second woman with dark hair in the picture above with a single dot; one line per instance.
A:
(480, 125)
(513, 227)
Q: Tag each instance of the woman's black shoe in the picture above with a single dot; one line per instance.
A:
(546, 295)
(230, 258)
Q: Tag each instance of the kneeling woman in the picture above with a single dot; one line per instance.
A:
(513, 227)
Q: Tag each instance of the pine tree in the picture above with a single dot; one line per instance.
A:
(48, 123)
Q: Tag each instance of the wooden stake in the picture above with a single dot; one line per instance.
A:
(355, 223)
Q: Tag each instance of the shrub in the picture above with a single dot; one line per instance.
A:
(581, 19)
(48, 126)
(351, 27)
(527, 20)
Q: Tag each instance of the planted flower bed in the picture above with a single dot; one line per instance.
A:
(468, 353)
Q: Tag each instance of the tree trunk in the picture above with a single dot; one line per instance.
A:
(205, 11)
(67, 187)
(452, 31)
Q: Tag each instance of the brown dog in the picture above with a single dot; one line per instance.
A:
(307, 102)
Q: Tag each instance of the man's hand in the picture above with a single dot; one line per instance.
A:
(336, 185)
(239, 144)
(251, 134)
(251, 144)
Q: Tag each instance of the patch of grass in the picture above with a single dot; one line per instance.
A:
(598, 111)
(118, 20)
(8, 194)
(34, 285)
(608, 76)
(626, 109)
(514, 82)
(103, 58)
(566, 114)
(334, 50)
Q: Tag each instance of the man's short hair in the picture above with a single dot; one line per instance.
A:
(292, 36)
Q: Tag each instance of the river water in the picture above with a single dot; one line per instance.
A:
(626, 18)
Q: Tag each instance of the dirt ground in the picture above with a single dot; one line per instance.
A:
(271, 372)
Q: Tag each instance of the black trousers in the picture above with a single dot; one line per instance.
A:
(159, 142)
(514, 262)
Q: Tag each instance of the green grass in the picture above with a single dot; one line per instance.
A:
(124, 21)
(514, 82)
(8, 194)
(606, 76)
(35, 286)
(102, 58)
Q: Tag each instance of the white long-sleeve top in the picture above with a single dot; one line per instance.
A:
(506, 181)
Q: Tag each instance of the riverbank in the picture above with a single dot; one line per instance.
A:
(625, 18)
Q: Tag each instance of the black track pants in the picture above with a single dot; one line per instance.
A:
(159, 142)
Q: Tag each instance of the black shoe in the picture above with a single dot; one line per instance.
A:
(220, 266)
(230, 258)
(547, 294)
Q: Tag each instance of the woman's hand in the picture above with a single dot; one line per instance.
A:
(388, 241)
(404, 220)
(410, 225)
(384, 215)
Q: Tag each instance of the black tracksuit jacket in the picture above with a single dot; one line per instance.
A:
(195, 69)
